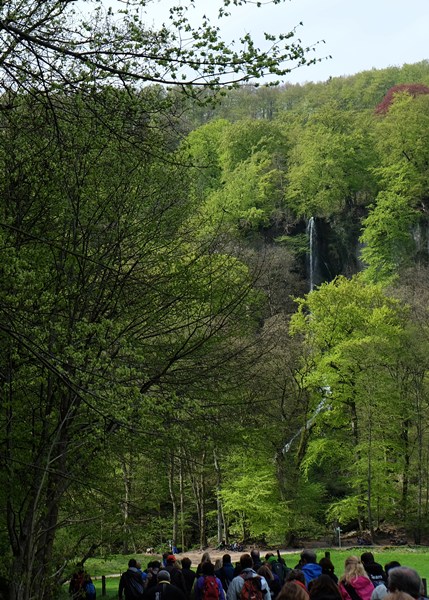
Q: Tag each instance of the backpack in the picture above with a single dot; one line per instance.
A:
(252, 589)
(90, 591)
(210, 588)
(280, 570)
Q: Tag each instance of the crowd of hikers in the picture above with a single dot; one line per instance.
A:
(254, 578)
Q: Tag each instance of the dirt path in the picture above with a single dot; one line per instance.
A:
(195, 556)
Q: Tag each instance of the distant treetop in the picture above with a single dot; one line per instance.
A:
(414, 89)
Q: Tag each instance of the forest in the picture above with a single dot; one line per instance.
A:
(214, 293)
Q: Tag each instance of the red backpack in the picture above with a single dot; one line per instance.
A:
(210, 588)
(251, 589)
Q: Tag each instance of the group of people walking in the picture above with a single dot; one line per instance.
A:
(253, 578)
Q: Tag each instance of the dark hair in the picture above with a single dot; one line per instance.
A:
(367, 558)
(207, 568)
(265, 572)
(324, 587)
(326, 564)
(246, 561)
(132, 562)
(404, 579)
(309, 556)
(254, 553)
(296, 574)
(226, 558)
(391, 565)
(268, 554)
(186, 562)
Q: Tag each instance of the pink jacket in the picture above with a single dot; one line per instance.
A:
(362, 586)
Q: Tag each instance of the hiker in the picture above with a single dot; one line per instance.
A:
(226, 572)
(373, 569)
(404, 579)
(176, 575)
(309, 565)
(292, 590)
(188, 575)
(236, 586)
(296, 575)
(277, 566)
(89, 587)
(208, 586)
(76, 587)
(256, 558)
(153, 569)
(381, 590)
(272, 580)
(164, 589)
(205, 558)
(324, 588)
(355, 584)
(131, 583)
(328, 568)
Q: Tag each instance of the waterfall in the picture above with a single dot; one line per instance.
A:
(321, 407)
(311, 233)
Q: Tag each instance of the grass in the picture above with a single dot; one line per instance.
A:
(416, 558)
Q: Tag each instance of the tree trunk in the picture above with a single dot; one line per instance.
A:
(173, 499)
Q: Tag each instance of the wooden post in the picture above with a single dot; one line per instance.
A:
(103, 585)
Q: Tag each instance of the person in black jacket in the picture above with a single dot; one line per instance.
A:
(373, 569)
(164, 590)
(131, 582)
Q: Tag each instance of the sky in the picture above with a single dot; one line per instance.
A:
(358, 34)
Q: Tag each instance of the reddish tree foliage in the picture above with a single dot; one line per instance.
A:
(414, 89)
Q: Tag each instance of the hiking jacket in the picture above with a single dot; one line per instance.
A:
(311, 571)
(199, 588)
(234, 589)
(124, 588)
(362, 586)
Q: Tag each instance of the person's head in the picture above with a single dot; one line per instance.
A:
(138, 564)
(254, 553)
(207, 568)
(324, 587)
(218, 564)
(391, 565)
(268, 555)
(205, 558)
(132, 563)
(404, 579)
(163, 575)
(156, 564)
(296, 575)
(265, 571)
(367, 558)
(226, 559)
(353, 568)
(327, 565)
(308, 556)
(171, 559)
(186, 562)
(246, 561)
(292, 591)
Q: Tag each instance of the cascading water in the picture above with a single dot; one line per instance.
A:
(321, 407)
